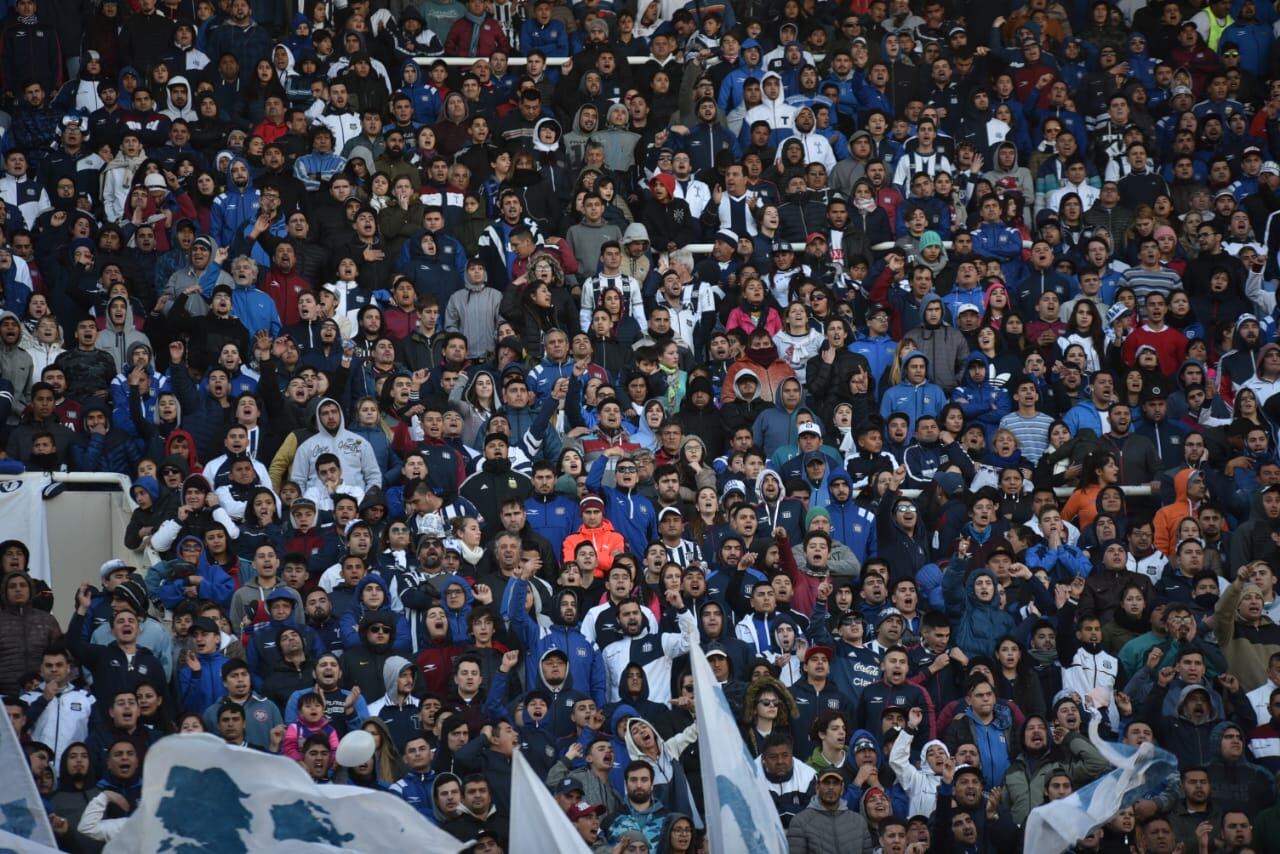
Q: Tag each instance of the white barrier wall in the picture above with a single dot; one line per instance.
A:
(86, 519)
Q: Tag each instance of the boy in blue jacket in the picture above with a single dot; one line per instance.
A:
(200, 678)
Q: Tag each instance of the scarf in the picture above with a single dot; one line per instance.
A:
(477, 22)
(28, 20)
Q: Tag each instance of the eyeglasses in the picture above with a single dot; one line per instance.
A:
(454, 592)
(905, 508)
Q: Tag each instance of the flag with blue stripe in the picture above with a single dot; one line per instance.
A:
(740, 815)
(1139, 773)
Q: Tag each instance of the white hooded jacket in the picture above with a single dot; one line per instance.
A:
(359, 464)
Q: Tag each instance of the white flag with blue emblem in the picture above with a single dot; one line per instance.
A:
(1139, 773)
(201, 794)
(740, 815)
(24, 826)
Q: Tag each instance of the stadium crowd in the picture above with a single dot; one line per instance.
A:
(918, 358)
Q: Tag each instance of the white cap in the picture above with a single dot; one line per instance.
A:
(112, 566)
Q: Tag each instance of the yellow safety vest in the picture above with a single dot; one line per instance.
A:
(1216, 28)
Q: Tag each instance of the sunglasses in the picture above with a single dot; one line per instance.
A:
(769, 703)
(627, 470)
(379, 630)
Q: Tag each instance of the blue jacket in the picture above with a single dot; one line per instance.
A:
(981, 401)
(198, 690)
(912, 400)
(425, 97)
(255, 310)
(853, 525)
(997, 240)
(415, 790)
(553, 516)
(730, 94)
(553, 39)
(631, 514)
(703, 142)
(235, 208)
(1063, 563)
(586, 664)
(543, 377)
(1083, 414)
(877, 350)
(992, 742)
(351, 620)
(215, 585)
(979, 624)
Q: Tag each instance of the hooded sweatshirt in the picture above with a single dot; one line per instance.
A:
(359, 462)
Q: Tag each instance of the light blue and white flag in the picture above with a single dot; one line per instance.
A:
(200, 794)
(24, 825)
(538, 825)
(740, 815)
(1139, 773)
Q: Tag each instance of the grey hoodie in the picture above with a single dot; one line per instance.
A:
(359, 462)
(473, 311)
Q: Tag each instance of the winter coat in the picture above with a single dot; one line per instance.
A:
(979, 624)
(817, 830)
(25, 633)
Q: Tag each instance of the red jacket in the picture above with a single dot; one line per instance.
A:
(284, 290)
(458, 42)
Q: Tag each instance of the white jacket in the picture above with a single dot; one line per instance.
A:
(654, 653)
(920, 784)
(65, 719)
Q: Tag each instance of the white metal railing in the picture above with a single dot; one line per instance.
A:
(1140, 491)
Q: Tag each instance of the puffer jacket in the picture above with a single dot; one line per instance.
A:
(818, 830)
(25, 633)
(980, 624)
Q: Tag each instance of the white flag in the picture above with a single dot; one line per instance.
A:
(538, 825)
(740, 815)
(22, 814)
(199, 794)
(1054, 827)
(22, 518)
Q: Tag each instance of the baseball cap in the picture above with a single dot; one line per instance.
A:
(1117, 312)
(582, 809)
(967, 306)
(567, 785)
(205, 624)
(669, 511)
(864, 743)
(808, 428)
(815, 235)
(112, 566)
(1270, 167)
(819, 649)
(155, 181)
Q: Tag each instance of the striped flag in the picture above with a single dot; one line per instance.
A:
(740, 815)
(1139, 773)
(24, 826)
